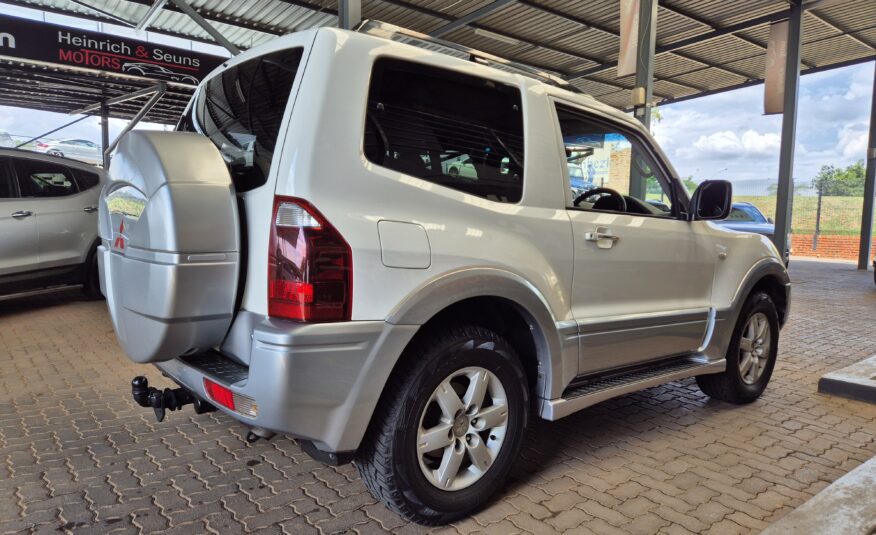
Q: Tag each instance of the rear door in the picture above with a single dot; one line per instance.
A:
(66, 218)
(18, 233)
(642, 274)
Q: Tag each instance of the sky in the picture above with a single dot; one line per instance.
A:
(720, 136)
(705, 136)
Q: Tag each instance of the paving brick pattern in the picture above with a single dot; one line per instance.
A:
(77, 456)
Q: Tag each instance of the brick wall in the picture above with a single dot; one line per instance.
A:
(829, 246)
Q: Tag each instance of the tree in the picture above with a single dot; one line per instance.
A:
(690, 184)
(837, 182)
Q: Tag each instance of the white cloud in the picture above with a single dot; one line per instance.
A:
(852, 142)
(729, 143)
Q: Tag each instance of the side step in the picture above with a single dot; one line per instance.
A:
(587, 391)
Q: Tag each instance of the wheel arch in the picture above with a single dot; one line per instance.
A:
(499, 300)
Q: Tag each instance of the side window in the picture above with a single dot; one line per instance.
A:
(86, 180)
(602, 157)
(8, 188)
(737, 214)
(451, 129)
(44, 179)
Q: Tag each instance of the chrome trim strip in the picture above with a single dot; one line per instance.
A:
(710, 330)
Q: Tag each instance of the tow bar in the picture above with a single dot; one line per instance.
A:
(167, 399)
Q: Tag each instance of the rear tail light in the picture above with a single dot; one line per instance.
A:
(231, 400)
(41, 145)
(310, 265)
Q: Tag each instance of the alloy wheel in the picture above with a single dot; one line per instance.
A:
(462, 428)
(754, 348)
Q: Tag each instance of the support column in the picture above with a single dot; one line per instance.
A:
(104, 133)
(869, 187)
(785, 194)
(645, 45)
(349, 13)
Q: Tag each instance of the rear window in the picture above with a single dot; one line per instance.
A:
(241, 109)
(451, 129)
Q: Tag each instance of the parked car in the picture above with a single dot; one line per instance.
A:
(746, 217)
(340, 288)
(48, 223)
(152, 70)
(76, 149)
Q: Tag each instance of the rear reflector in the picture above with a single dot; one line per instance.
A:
(231, 400)
(310, 266)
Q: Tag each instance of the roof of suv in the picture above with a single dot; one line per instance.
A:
(70, 162)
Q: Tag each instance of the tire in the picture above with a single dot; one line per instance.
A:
(55, 153)
(743, 384)
(409, 481)
(453, 172)
(91, 284)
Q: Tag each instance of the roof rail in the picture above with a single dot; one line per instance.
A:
(422, 40)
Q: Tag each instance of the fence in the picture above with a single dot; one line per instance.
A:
(832, 230)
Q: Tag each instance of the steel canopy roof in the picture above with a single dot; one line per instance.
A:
(703, 46)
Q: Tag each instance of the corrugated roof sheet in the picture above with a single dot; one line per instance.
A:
(558, 35)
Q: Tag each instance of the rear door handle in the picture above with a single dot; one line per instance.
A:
(21, 214)
(89, 209)
(602, 236)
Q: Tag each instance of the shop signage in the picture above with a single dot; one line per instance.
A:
(30, 40)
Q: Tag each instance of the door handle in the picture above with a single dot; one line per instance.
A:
(89, 209)
(21, 214)
(602, 236)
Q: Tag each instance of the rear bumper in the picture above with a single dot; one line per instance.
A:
(319, 382)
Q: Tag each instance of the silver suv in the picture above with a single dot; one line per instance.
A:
(48, 222)
(300, 257)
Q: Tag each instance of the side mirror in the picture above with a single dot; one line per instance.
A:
(770, 220)
(712, 200)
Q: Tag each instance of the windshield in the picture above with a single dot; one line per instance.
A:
(241, 109)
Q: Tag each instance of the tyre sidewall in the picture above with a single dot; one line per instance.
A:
(502, 362)
(758, 302)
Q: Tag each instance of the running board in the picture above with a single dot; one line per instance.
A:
(584, 393)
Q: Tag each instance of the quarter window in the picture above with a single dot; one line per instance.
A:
(44, 179)
(602, 157)
(455, 130)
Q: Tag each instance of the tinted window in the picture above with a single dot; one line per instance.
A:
(85, 179)
(746, 213)
(610, 158)
(241, 109)
(44, 179)
(7, 181)
(455, 130)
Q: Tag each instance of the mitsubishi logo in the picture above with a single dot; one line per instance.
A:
(7, 40)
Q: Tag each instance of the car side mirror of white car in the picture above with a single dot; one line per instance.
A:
(712, 200)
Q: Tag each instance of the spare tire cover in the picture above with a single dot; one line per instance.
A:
(170, 242)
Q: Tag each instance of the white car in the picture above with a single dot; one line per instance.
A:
(48, 222)
(343, 287)
(76, 149)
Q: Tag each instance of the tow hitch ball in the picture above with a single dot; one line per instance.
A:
(167, 399)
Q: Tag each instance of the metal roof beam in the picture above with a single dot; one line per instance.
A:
(121, 98)
(474, 16)
(688, 15)
(659, 50)
(107, 14)
(523, 40)
(843, 31)
(151, 14)
(206, 26)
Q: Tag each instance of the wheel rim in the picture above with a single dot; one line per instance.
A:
(754, 348)
(462, 428)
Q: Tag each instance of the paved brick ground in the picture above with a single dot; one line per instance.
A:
(77, 456)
